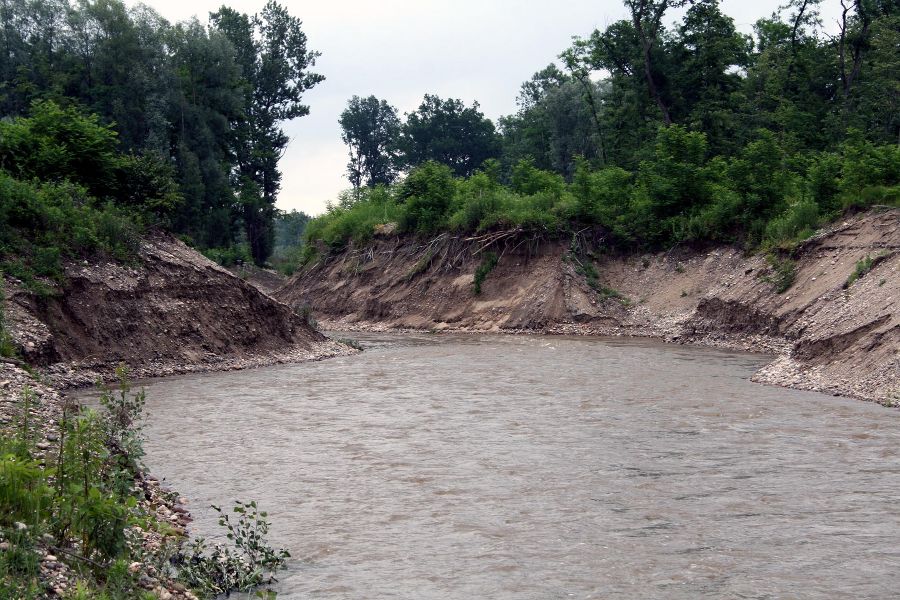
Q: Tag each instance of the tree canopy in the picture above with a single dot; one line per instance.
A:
(690, 133)
(206, 102)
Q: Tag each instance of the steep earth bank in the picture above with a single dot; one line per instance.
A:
(170, 311)
(265, 279)
(827, 335)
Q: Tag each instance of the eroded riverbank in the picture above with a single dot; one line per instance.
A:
(534, 467)
(827, 308)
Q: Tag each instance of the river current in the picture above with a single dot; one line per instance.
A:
(462, 467)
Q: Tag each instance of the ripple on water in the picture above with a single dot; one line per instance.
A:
(529, 467)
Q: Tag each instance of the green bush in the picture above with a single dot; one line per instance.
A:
(797, 223)
(763, 196)
(528, 180)
(784, 273)
(56, 144)
(354, 221)
(251, 561)
(488, 262)
(604, 197)
(870, 174)
(426, 194)
(230, 256)
(41, 224)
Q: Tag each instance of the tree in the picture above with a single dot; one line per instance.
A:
(206, 98)
(371, 129)
(709, 53)
(448, 132)
(646, 17)
(628, 110)
(554, 124)
(270, 48)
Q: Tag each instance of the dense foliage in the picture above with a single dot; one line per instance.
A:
(65, 190)
(695, 133)
(81, 500)
(761, 196)
(200, 105)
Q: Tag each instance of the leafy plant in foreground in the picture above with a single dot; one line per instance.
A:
(250, 563)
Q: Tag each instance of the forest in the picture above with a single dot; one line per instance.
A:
(694, 133)
(115, 121)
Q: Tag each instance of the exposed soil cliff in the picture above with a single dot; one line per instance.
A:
(827, 335)
(171, 311)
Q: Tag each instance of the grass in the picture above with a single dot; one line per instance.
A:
(7, 348)
(488, 262)
(863, 267)
(784, 273)
(586, 268)
(421, 265)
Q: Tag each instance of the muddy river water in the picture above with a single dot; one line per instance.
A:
(462, 467)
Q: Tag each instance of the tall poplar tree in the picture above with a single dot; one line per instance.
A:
(271, 49)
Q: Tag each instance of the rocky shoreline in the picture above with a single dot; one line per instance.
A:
(80, 374)
(56, 576)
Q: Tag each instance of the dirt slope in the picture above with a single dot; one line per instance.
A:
(825, 337)
(264, 279)
(172, 311)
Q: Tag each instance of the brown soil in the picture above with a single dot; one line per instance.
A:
(264, 279)
(172, 311)
(826, 337)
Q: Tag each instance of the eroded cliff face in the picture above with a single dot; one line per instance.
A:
(171, 311)
(826, 335)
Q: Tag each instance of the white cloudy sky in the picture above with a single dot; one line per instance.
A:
(399, 49)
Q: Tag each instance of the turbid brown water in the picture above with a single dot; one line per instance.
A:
(542, 467)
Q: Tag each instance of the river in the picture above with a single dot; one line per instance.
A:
(460, 467)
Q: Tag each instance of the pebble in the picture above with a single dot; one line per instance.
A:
(163, 594)
(50, 558)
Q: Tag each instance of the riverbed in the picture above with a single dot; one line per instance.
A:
(464, 466)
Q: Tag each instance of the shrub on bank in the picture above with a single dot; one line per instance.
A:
(43, 223)
(762, 196)
(79, 501)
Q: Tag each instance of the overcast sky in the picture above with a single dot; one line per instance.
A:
(400, 49)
